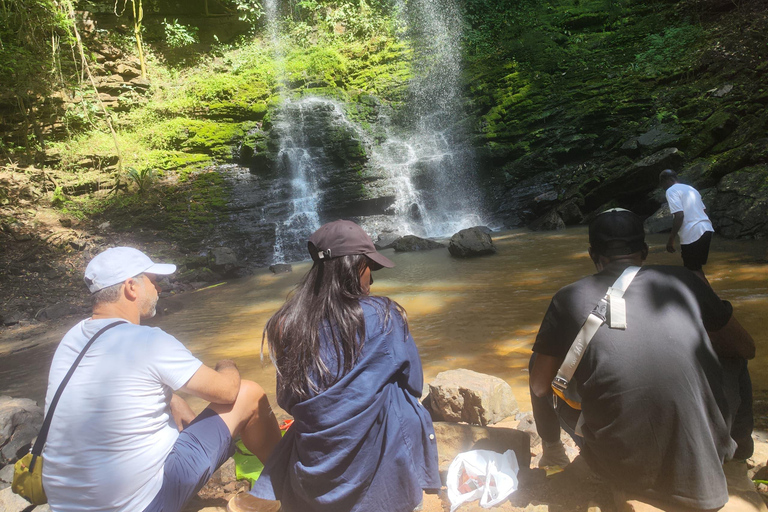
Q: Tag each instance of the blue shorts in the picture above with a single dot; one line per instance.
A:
(198, 452)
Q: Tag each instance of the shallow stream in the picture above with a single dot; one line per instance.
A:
(481, 314)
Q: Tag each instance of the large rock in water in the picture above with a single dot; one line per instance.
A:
(454, 438)
(471, 397)
(659, 222)
(548, 222)
(20, 421)
(471, 242)
(411, 243)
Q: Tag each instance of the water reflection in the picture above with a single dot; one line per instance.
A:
(480, 314)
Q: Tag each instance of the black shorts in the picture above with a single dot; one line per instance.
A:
(695, 254)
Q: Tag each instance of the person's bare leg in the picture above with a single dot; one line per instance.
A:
(252, 418)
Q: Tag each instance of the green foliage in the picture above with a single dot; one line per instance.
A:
(178, 35)
(347, 20)
(492, 24)
(666, 50)
(32, 33)
(144, 178)
(58, 198)
(249, 11)
(316, 62)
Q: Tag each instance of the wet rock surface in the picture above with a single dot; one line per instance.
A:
(471, 242)
(411, 243)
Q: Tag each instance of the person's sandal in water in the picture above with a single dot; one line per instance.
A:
(245, 502)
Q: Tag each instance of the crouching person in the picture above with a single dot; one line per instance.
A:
(349, 373)
(114, 442)
(663, 384)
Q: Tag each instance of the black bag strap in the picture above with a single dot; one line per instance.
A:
(43, 435)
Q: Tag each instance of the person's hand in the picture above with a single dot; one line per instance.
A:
(671, 246)
(181, 411)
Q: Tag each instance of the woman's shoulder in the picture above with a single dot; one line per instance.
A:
(378, 309)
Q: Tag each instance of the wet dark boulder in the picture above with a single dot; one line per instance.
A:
(281, 268)
(570, 212)
(223, 260)
(412, 243)
(385, 240)
(550, 221)
(631, 182)
(738, 209)
(659, 222)
(471, 242)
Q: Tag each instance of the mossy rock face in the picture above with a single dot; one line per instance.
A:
(738, 209)
(240, 110)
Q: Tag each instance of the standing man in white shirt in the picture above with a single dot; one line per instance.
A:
(690, 222)
(120, 439)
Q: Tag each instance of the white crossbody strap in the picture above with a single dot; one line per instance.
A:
(613, 301)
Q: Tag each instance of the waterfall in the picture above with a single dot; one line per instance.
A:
(432, 161)
(403, 170)
(294, 160)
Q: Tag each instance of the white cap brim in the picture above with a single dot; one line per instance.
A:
(161, 269)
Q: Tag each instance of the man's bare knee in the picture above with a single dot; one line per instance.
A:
(252, 396)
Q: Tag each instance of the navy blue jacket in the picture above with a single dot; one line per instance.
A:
(365, 443)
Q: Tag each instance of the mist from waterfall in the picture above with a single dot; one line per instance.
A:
(413, 173)
(432, 158)
(294, 160)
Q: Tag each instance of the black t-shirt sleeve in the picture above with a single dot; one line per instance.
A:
(715, 313)
(558, 329)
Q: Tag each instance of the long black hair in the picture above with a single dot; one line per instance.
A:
(328, 299)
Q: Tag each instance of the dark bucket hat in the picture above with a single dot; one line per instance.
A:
(343, 238)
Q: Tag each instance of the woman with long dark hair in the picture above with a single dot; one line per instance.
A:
(349, 373)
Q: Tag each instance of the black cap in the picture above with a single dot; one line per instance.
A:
(343, 238)
(616, 232)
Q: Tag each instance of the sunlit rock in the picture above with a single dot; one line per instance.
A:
(471, 397)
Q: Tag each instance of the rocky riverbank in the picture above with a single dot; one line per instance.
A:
(471, 411)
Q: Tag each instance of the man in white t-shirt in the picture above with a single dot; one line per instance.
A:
(690, 222)
(120, 439)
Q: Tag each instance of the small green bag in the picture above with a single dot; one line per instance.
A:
(28, 479)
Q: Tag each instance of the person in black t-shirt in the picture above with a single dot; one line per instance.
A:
(665, 401)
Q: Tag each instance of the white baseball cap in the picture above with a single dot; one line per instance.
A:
(117, 264)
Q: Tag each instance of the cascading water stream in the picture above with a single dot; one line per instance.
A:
(293, 158)
(401, 171)
(433, 162)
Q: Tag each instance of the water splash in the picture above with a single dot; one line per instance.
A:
(433, 160)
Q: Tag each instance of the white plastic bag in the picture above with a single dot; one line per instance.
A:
(482, 474)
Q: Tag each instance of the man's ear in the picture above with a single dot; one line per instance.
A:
(593, 256)
(131, 288)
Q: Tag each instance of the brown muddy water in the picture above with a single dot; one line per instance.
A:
(481, 314)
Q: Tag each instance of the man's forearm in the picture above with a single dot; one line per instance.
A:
(227, 368)
(733, 341)
(677, 223)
